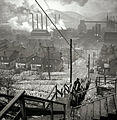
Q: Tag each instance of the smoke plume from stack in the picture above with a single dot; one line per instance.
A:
(80, 2)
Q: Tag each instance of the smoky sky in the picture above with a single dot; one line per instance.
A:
(80, 2)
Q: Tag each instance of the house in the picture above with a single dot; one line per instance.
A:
(34, 62)
(4, 59)
(21, 62)
(55, 61)
(4, 62)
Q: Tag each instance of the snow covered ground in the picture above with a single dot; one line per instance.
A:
(33, 85)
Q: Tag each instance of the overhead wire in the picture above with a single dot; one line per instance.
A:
(50, 9)
(56, 27)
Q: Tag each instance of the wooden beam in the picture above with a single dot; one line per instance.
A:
(10, 104)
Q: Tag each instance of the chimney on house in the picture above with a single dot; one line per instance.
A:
(55, 19)
(46, 22)
(59, 17)
(32, 21)
(41, 21)
(37, 21)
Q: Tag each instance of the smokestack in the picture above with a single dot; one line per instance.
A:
(37, 22)
(107, 17)
(55, 19)
(32, 21)
(59, 17)
(46, 22)
(41, 21)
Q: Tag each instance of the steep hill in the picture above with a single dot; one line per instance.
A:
(70, 19)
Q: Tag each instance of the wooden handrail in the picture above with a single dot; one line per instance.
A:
(42, 99)
(17, 116)
(51, 92)
(93, 88)
(94, 101)
(10, 104)
(57, 91)
(30, 98)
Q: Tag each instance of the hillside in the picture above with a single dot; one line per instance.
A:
(70, 19)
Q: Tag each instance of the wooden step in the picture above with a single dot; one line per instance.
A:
(96, 110)
(89, 112)
(83, 112)
(103, 106)
(60, 107)
(62, 100)
(111, 105)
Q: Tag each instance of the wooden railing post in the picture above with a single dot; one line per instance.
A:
(104, 79)
(116, 85)
(116, 91)
(56, 91)
(64, 90)
(93, 109)
(96, 81)
(64, 112)
(22, 108)
(52, 114)
(99, 80)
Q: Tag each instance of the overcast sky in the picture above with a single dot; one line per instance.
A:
(84, 7)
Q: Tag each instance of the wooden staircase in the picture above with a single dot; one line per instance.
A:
(102, 108)
(25, 106)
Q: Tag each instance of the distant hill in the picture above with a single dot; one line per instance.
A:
(70, 19)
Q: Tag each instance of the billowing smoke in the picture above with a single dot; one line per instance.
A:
(16, 25)
(11, 8)
(80, 2)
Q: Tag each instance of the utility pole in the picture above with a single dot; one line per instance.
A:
(88, 66)
(71, 61)
(68, 58)
(74, 53)
(48, 60)
(48, 51)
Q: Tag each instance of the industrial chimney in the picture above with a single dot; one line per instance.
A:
(37, 22)
(32, 21)
(46, 22)
(59, 17)
(41, 21)
(55, 19)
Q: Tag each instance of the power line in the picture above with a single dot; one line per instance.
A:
(51, 21)
(55, 26)
(50, 9)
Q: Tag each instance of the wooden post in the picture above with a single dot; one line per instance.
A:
(74, 54)
(116, 86)
(52, 115)
(104, 76)
(64, 112)
(22, 108)
(56, 91)
(116, 91)
(99, 81)
(48, 62)
(71, 61)
(89, 66)
(68, 58)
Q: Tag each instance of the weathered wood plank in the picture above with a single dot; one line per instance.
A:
(111, 105)
(90, 112)
(10, 104)
(104, 108)
(97, 110)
